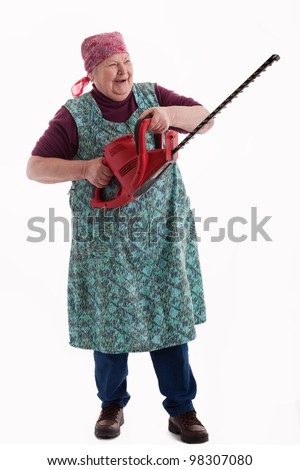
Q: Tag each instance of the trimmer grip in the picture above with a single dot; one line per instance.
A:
(139, 135)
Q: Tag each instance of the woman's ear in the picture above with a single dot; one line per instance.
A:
(91, 76)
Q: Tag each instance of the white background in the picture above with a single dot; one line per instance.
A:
(246, 357)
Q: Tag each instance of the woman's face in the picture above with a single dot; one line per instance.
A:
(113, 76)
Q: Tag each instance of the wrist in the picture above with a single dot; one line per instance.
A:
(84, 167)
(171, 112)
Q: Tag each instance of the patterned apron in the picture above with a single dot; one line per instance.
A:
(134, 275)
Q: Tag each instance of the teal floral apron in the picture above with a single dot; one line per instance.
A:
(134, 275)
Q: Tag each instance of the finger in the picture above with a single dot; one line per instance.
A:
(106, 171)
(160, 127)
(98, 185)
(103, 180)
(154, 123)
(147, 113)
(101, 183)
(106, 177)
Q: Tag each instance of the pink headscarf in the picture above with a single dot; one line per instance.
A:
(94, 50)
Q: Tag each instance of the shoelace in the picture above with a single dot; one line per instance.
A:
(109, 412)
(189, 418)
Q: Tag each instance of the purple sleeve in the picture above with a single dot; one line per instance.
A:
(169, 98)
(60, 139)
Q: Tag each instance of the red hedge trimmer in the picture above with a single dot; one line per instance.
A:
(137, 168)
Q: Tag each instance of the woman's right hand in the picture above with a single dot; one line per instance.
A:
(97, 173)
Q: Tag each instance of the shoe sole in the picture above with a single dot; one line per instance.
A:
(108, 433)
(188, 439)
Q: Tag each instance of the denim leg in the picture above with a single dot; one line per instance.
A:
(111, 372)
(175, 378)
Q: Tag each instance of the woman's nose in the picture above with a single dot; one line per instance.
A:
(121, 69)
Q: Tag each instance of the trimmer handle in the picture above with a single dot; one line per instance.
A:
(140, 131)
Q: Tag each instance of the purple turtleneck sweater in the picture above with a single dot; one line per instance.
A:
(61, 137)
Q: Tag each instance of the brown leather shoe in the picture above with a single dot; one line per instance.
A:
(189, 428)
(109, 422)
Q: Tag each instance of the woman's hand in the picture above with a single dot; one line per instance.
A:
(97, 173)
(181, 117)
(160, 119)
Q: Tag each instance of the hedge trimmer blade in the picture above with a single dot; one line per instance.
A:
(233, 95)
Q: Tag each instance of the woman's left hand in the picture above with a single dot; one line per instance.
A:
(160, 119)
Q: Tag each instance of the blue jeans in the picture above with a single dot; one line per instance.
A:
(175, 378)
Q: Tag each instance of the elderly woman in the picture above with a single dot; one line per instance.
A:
(128, 290)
